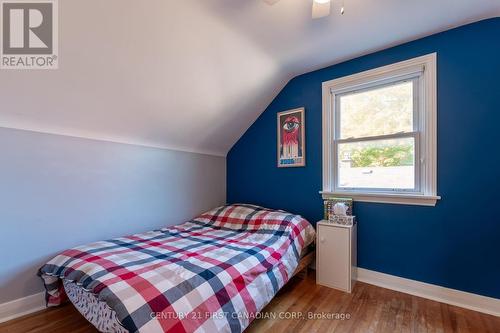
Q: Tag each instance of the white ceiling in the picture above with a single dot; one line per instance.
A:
(194, 74)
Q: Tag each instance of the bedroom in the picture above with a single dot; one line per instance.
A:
(215, 132)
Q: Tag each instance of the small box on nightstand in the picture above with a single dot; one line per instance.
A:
(336, 255)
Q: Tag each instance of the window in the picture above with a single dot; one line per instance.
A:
(379, 134)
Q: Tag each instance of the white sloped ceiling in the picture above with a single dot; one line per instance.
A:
(194, 74)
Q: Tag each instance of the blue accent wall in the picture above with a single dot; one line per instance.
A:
(455, 244)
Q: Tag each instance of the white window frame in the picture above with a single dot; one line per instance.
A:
(422, 71)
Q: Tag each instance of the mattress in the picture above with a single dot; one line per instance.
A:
(213, 273)
(99, 314)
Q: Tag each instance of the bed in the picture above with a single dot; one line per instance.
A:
(211, 274)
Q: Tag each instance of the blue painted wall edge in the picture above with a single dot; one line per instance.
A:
(455, 244)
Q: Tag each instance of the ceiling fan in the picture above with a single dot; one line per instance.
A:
(320, 8)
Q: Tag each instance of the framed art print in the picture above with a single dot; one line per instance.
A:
(291, 138)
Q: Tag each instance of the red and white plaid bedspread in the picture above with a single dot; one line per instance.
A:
(212, 274)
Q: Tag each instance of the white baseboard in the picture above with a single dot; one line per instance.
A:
(459, 298)
(22, 306)
(488, 305)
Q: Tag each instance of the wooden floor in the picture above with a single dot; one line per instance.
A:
(367, 309)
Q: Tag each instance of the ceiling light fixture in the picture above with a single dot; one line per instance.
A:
(320, 8)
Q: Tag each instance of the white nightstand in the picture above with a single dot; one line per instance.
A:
(336, 255)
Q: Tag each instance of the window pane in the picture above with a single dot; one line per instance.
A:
(385, 110)
(379, 164)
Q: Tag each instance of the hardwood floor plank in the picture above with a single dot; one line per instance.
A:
(371, 309)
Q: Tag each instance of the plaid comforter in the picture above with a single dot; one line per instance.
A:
(211, 274)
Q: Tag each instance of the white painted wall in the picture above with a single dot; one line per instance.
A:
(58, 192)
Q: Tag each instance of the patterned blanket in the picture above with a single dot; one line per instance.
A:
(211, 274)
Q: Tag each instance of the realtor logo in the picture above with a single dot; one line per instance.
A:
(29, 34)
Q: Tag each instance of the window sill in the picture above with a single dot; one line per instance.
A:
(400, 199)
